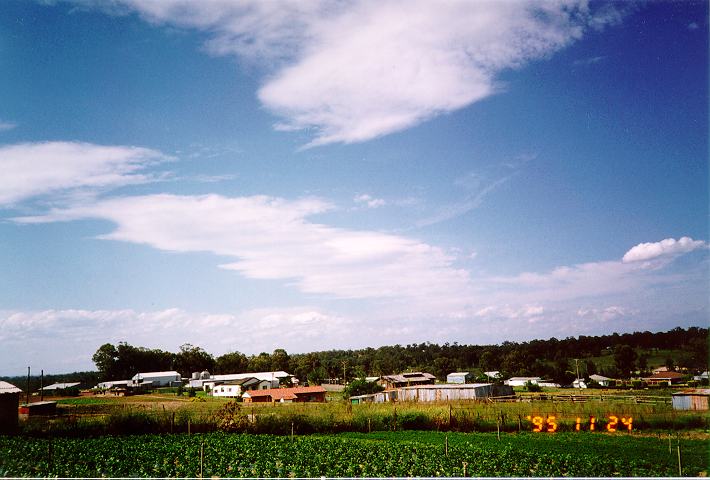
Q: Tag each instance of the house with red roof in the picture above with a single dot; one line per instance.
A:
(664, 378)
(285, 395)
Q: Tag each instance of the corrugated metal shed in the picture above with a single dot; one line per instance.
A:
(691, 399)
(8, 388)
(443, 393)
(60, 386)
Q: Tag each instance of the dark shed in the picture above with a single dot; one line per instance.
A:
(9, 401)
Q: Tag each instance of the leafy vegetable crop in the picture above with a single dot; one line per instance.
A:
(415, 454)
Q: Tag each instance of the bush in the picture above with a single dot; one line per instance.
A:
(191, 392)
(532, 387)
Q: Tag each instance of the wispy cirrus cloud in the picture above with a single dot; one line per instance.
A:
(354, 71)
(34, 169)
(5, 126)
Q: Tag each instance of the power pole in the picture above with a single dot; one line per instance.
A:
(576, 364)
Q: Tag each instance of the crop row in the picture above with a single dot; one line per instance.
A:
(241, 455)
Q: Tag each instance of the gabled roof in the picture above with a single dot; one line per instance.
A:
(705, 392)
(283, 393)
(459, 373)
(8, 388)
(409, 377)
(241, 381)
(60, 386)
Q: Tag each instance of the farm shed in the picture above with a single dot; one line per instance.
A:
(199, 380)
(664, 378)
(286, 395)
(407, 380)
(56, 388)
(38, 408)
(9, 401)
(459, 377)
(436, 393)
(112, 384)
(156, 379)
(691, 399)
(521, 381)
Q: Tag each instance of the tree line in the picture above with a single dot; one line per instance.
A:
(552, 359)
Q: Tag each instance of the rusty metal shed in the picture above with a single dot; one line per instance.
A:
(691, 399)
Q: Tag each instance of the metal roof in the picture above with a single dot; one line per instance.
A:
(60, 386)
(8, 388)
(694, 391)
(170, 373)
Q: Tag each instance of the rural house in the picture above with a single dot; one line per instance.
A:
(235, 388)
(407, 380)
(664, 378)
(285, 395)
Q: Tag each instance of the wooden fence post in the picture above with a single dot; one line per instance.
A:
(202, 456)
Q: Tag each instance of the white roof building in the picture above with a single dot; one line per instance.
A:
(521, 381)
(270, 376)
(157, 379)
(60, 386)
(8, 388)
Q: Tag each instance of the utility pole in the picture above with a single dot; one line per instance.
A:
(576, 364)
(344, 364)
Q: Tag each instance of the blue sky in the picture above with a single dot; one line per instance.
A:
(247, 176)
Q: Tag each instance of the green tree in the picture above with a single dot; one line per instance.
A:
(192, 359)
(105, 359)
(233, 362)
(279, 360)
(624, 359)
(360, 386)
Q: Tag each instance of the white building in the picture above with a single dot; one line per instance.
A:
(601, 380)
(521, 381)
(156, 379)
(579, 383)
(199, 380)
(459, 377)
(235, 388)
(112, 384)
(59, 386)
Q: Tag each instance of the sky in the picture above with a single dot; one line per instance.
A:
(251, 175)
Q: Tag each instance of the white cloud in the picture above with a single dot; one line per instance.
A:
(664, 248)
(272, 238)
(32, 169)
(369, 201)
(5, 126)
(693, 26)
(353, 71)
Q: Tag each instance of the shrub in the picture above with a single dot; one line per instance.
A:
(532, 387)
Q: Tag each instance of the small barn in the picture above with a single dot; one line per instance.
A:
(459, 377)
(691, 399)
(286, 395)
(601, 380)
(9, 401)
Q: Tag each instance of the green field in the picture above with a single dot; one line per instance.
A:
(377, 454)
